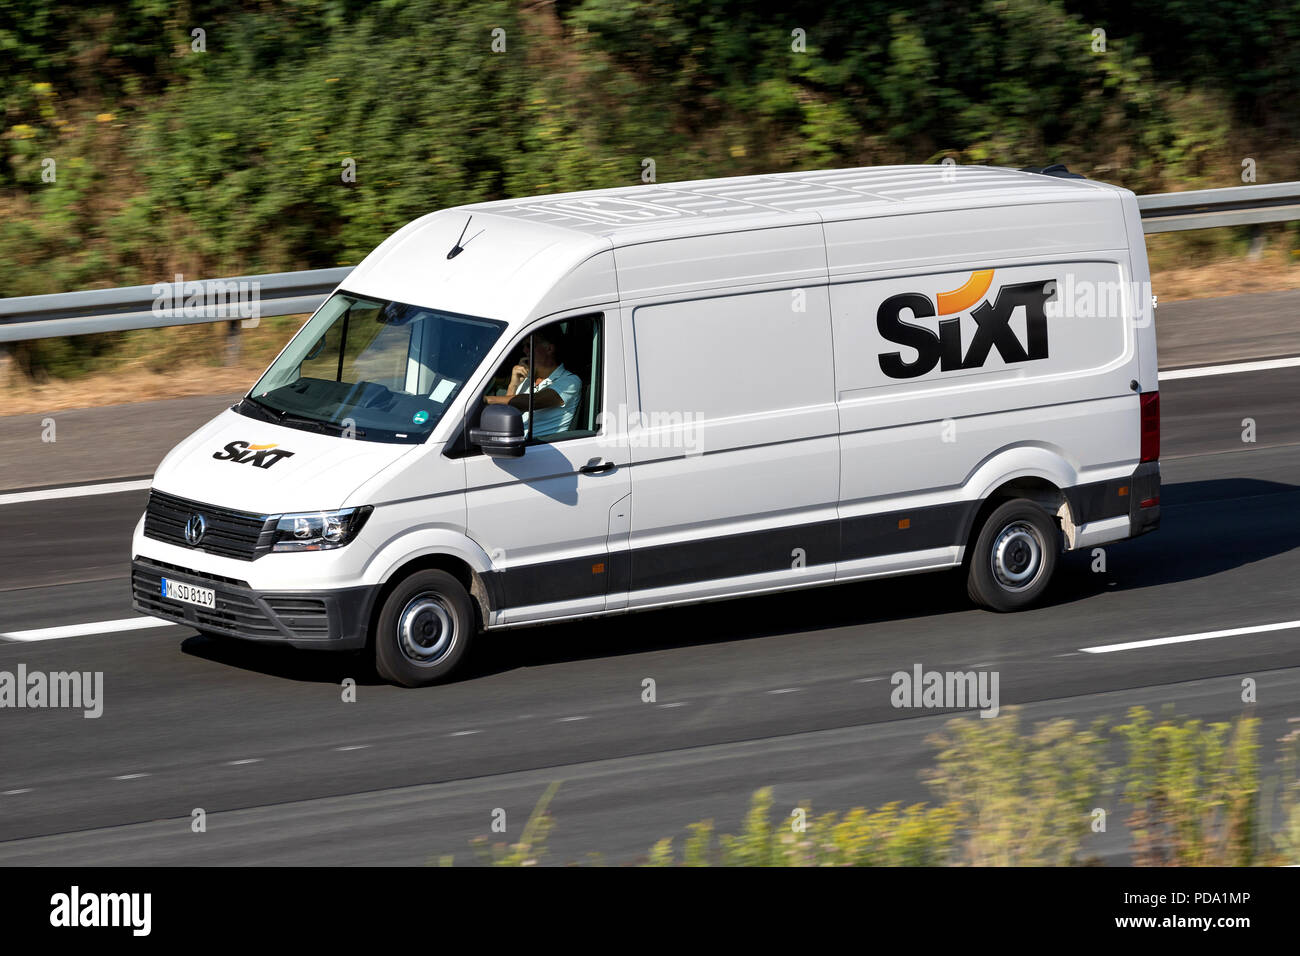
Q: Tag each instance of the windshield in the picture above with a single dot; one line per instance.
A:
(372, 369)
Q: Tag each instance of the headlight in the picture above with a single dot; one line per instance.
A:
(318, 530)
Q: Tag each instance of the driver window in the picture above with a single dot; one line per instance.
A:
(553, 377)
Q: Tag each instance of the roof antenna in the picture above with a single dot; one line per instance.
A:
(457, 249)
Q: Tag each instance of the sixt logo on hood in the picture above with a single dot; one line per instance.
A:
(992, 326)
(259, 456)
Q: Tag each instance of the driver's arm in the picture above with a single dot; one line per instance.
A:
(546, 398)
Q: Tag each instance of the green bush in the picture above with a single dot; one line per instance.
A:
(1194, 790)
(1024, 799)
(1021, 798)
(891, 836)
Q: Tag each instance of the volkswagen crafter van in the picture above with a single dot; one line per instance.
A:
(583, 404)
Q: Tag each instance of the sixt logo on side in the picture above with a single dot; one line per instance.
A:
(992, 320)
(259, 456)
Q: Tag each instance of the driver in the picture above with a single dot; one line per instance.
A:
(555, 389)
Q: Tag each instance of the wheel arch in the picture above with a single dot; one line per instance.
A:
(1042, 491)
(481, 586)
(1037, 471)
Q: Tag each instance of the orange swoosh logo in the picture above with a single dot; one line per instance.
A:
(959, 300)
(261, 447)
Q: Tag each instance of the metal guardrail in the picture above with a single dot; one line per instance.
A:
(1211, 208)
(133, 307)
(291, 293)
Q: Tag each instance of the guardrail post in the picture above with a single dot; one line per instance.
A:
(232, 343)
(6, 366)
(1256, 242)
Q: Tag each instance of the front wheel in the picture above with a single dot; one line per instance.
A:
(423, 629)
(1013, 558)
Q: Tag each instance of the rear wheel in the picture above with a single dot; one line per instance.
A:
(423, 629)
(1013, 557)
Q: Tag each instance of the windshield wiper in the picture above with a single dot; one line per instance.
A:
(263, 409)
(282, 416)
(319, 424)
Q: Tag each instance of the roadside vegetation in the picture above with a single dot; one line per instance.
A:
(223, 152)
(1181, 792)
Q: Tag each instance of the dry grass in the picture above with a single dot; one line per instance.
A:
(123, 387)
(1278, 271)
(184, 362)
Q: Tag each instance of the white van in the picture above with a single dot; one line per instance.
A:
(581, 404)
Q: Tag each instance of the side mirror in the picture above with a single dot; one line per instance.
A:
(500, 431)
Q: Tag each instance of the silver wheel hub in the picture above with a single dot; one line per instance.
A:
(426, 630)
(1017, 556)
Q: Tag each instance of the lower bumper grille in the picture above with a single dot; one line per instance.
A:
(336, 618)
(307, 617)
(234, 613)
(239, 611)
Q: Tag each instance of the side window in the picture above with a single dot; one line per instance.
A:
(554, 377)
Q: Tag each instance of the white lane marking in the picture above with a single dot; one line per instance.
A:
(785, 690)
(564, 720)
(1204, 370)
(676, 703)
(131, 776)
(463, 733)
(240, 763)
(75, 491)
(352, 747)
(1184, 638)
(14, 793)
(867, 680)
(81, 630)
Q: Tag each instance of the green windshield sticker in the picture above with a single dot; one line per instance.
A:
(420, 418)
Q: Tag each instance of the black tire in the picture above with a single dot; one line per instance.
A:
(1013, 558)
(423, 629)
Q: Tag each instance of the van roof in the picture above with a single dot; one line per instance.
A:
(518, 252)
(647, 212)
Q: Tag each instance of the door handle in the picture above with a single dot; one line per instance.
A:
(597, 466)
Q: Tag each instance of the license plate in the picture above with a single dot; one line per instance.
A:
(189, 593)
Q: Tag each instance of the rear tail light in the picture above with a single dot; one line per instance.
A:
(1150, 426)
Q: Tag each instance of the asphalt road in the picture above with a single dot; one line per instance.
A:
(789, 691)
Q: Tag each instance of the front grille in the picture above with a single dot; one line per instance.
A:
(230, 534)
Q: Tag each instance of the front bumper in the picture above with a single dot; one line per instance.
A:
(333, 619)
